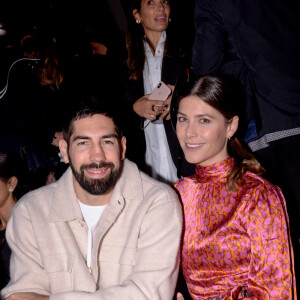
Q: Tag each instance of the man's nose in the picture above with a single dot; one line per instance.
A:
(97, 154)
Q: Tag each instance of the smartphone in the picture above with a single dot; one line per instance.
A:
(161, 92)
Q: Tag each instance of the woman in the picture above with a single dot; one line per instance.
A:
(9, 193)
(29, 109)
(236, 241)
(152, 56)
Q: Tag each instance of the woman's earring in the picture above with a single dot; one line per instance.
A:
(138, 21)
(11, 190)
(170, 20)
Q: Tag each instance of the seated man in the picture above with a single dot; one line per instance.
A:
(105, 230)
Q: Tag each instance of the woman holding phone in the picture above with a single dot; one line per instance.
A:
(236, 241)
(152, 57)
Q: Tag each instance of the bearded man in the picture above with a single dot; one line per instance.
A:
(104, 230)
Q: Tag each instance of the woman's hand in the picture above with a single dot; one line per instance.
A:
(148, 109)
(166, 113)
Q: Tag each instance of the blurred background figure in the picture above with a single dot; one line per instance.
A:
(11, 189)
(264, 54)
(95, 66)
(30, 108)
(154, 53)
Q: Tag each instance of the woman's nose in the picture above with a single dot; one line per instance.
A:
(161, 5)
(191, 130)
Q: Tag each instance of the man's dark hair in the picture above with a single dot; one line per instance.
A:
(88, 106)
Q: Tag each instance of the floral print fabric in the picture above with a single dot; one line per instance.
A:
(236, 244)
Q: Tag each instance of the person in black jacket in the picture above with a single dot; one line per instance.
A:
(30, 107)
(152, 56)
(258, 42)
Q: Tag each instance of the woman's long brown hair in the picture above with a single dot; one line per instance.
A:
(49, 70)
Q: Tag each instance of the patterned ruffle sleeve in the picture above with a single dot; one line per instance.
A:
(271, 273)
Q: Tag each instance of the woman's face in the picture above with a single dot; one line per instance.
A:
(154, 15)
(203, 132)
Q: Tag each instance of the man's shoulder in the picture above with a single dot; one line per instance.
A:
(154, 187)
(40, 200)
(40, 197)
(141, 186)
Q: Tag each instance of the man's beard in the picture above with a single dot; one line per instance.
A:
(97, 186)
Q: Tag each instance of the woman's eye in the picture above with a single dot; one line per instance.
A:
(181, 119)
(149, 2)
(166, 2)
(204, 120)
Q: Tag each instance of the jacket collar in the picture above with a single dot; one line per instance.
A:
(65, 206)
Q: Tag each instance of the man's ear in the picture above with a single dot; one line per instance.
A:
(233, 126)
(136, 14)
(123, 147)
(63, 147)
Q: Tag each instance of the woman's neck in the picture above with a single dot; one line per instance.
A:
(5, 211)
(153, 37)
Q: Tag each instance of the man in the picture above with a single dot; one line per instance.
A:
(258, 42)
(105, 230)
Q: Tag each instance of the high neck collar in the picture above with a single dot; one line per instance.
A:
(215, 171)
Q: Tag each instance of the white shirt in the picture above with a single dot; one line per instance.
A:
(159, 163)
(91, 215)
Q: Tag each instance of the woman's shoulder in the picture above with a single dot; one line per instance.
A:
(256, 181)
(259, 188)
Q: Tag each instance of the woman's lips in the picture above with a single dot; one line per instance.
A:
(193, 146)
(160, 19)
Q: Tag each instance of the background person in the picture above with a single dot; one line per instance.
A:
(263, 52)
(154, 54)
(236, 242)
(10, 191)
(30, 123)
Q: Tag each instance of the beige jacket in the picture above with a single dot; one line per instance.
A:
(136, 243)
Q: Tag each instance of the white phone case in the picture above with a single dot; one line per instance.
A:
(161, 92)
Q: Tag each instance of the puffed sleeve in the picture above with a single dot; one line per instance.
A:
(271, 273)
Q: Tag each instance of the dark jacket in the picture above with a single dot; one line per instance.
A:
(258, 42)
(131, 91)
(5, 253)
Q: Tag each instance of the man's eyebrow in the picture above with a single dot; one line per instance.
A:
(81, 137)
(106, 136)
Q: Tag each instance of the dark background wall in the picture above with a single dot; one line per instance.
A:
(68, 21)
